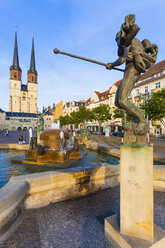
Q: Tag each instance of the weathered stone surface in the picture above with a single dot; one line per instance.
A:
(74, 155)
(134, 139)
(15, 146)
(118, 240)
(136, 196)
(12, 205)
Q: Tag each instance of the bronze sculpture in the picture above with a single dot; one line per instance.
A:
(139, 56)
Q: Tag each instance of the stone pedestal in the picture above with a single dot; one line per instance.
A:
(136, 191)
(135, 228)
(118, 240)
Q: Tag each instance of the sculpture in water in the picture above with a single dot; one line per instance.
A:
(138, 56)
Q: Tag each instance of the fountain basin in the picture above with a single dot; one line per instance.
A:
(52, 155)
(51, 138)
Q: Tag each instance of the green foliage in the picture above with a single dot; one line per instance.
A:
(81, 116)
(117, 113)
(101, 113)
(155, 108)
(65, 120)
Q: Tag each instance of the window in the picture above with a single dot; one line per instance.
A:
(138, 92)
(15, 75)
(157, 85)
(146, 89)
(70, 109)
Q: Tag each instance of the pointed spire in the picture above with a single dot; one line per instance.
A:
(32, 68)
(15, 64)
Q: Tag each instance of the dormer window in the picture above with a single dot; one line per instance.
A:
(157, 85)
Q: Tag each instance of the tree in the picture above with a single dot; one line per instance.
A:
(65, 120)
(101, 114)
(81, 116)
(155, 107)
(120, 113)
(117, 113)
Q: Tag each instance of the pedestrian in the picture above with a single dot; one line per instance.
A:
(20, 140)
(6, 132)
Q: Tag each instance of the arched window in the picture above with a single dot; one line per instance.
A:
(15, 75)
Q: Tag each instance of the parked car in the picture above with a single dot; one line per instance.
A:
(119, 134)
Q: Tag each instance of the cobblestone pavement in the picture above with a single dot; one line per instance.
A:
(76, 223)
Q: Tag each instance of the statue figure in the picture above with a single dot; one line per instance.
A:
(139, 56)
(41, 124)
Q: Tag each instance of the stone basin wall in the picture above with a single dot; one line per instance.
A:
(40, 189)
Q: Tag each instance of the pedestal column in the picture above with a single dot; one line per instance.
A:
(136, 191)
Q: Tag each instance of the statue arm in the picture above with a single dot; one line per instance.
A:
(118, 62)
(121, 60)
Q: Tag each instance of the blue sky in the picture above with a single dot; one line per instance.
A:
(83, 27)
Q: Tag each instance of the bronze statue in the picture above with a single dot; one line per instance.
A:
(139, 56)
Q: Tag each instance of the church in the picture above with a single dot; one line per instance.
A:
(23, 97)
(22, 113)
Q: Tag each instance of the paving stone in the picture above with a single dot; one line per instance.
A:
(77, 223)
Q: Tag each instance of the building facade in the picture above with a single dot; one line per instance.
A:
(151, 81)
(18, 121)
(72, 106)
(23, 97)
(48, 120)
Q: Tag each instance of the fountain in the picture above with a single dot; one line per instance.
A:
(53, 149)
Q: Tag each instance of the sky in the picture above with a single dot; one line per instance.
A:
(82, 27)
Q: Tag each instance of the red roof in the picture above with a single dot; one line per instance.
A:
(159, 67)
(117, 83)
(88, 100)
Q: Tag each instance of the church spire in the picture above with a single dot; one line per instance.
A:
(32, 68)
(15, 64)
(32, 72)
(15, 70)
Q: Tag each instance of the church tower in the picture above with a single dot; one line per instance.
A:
(32, 85)
(15, 81)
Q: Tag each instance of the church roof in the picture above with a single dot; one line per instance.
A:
(18, 114)
(32, 68)
(24, 87)
(48, 113)
(15, 64)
